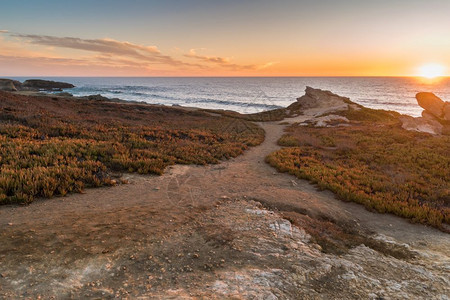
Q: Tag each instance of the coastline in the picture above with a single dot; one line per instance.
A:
(253, 222)
(250, 95)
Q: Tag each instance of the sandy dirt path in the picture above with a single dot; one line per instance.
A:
(210, 231)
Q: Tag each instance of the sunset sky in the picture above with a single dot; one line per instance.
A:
(223, 38)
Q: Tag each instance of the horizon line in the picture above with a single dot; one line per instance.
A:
(302, 76)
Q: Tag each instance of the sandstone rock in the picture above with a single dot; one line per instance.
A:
(7, 85)
(446, 111)
(320, 100)
(422, 124)
(46, 84)
(431, 103)
(317, 97)
(429, 116)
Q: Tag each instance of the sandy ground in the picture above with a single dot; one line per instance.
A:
(211, 232)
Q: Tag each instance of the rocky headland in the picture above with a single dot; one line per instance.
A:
(10, 85)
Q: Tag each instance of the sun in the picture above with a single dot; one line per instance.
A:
(431, 71)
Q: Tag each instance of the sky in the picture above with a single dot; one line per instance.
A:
(223, 38)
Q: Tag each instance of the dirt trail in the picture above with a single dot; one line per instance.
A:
(209, 231)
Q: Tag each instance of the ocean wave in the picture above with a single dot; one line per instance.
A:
(248, 95)
(235, 103)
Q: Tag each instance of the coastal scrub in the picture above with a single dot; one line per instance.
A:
(53, 146)
(373, 162)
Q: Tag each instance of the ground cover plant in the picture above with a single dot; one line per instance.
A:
(373, 162)
(53, 146)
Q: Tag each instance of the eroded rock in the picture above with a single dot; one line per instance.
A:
(431, 103)
(325, 101)
(435, 117)
(7, 85)
(46, 84)
(446, 112)
(421, 124)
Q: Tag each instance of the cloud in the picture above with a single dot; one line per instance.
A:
(148, 54)
(225, 61)
(267, 65)
(111, 53)
(214, 59)
(45, 60)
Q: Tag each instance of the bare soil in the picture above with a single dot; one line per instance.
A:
(236, 230)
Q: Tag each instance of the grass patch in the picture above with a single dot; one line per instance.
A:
(265, 116)
(54, 146)
(288, 141)
(375, 163)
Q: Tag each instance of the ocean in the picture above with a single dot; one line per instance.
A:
(255, 94)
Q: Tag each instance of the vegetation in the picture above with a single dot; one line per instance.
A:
(265, 116)
(374, 162)
(54, 146)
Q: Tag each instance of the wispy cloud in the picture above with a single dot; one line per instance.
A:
(110, 53)
(45, 60)
(267, 65)
(149, 54)
(214, 59)
(225, 61)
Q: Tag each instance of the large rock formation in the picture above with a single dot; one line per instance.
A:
(432, 104)
(322, 101)
(435, 117)
(46, 84)
(422, 124)
(9, 85)
(446, 111)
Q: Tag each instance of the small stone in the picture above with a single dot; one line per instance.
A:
(10, 224)
(157, 188)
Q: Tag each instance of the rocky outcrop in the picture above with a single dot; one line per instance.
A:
(9, 85)
(421, 124)
(446, 111)
(321, 101)
(435, 117)
(433, 104)
(39, 84)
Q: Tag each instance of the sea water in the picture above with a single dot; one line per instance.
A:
(255, 94)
